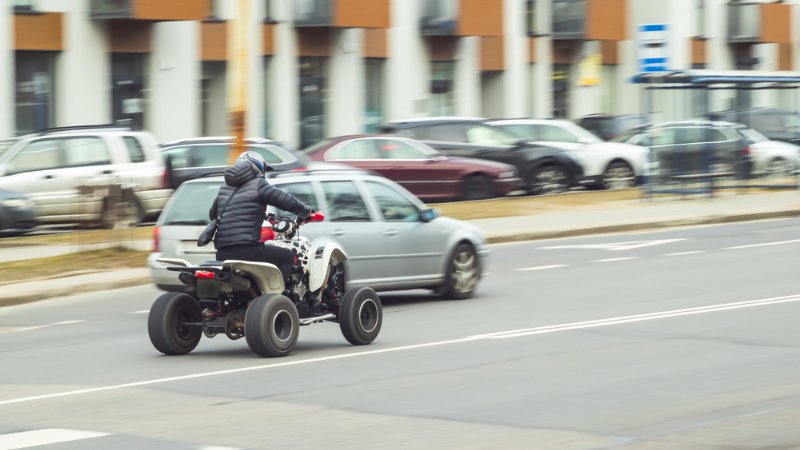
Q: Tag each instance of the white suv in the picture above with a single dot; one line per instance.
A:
(98, 174)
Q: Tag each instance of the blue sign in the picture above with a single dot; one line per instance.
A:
(653, 51)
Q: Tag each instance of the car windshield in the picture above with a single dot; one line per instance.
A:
(318, 145)
(210, 155)
(753, 135)
(6, 144)
(490, 135)
(582, 133)
(627, 136)
(190, 204)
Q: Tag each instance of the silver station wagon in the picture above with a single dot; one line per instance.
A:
(393, 241)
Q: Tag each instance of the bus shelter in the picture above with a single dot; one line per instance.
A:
(690, 161)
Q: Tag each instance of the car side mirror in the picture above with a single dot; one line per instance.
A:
(428, 214)
(521, 143)
(434, 158)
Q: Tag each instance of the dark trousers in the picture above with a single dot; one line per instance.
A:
(281, 257)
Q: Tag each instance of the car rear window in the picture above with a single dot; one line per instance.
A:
(210, 155)
(190, 204)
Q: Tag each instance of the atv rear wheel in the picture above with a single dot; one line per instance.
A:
(271, 325)
(360, 315)
(167, 323)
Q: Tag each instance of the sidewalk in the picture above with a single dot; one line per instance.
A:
(604, 217)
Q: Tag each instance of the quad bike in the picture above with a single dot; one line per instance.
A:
(249, 299)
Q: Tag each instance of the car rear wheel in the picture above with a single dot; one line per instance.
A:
(271, 325)
(549, 179)
(778, 167)
(173, 323)
(618, 175)
(477, 187)
(463, 273)
(121, 214)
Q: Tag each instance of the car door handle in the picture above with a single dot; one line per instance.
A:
(107, 172)
(390, 232)
(338, 233)
(49, 177)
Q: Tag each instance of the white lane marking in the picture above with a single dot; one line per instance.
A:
(626, 258)
(552, 266)
(616, 246)
(765, 244)
(219, 448)
(47, 436)
(502, 334)
(685, 253)
(68, 322)
(9, 330)
(638, 318)
(141, 311)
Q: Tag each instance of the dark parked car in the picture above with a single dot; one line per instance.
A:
(693, 147)
(609, 126)
(775, 124)
(543, 169)
(17, 213)
(421, 169)
(204, 157)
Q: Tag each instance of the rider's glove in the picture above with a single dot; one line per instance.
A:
(305, 215)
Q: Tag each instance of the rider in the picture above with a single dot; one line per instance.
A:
(239, 228)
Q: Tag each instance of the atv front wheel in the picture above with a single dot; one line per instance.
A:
(168, 323)
(360, 315)
(271, 325)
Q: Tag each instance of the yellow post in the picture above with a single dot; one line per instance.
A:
(238, 37)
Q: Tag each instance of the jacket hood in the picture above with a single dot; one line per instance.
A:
(239, 174)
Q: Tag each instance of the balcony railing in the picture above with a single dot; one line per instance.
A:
(744, 22)
(440, 18)
(313, 13)
(112, 9)
(569, 19)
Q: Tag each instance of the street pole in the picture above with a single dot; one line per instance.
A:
(238, 37)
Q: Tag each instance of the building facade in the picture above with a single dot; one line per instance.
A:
(319, 68)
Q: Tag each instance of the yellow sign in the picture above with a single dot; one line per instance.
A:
(589, 70)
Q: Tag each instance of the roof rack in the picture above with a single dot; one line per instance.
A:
(308, 172)
(82, 127)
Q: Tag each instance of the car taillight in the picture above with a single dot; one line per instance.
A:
(267, 234)
(204, 274)
(156, 242)
(746, 151)
(297, 169)
(165, 180)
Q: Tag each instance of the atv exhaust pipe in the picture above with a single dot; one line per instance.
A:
(238, 283)
(316, 319)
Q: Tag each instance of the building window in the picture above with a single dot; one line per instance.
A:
(530, 17)
(442, 98)
(23, 5)
(127, 89)
(313, 97)
(374, 95)
(34, 91)
(701, 18)
(269, 14)
(560, 90)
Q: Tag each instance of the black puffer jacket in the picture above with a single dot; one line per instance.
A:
(242, 218)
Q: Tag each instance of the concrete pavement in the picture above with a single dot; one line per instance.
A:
(606, 217)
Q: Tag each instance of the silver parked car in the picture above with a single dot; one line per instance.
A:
(393, 241)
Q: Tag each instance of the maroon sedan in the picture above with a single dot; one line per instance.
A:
(419, 168)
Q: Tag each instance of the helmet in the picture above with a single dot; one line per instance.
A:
(255, 160)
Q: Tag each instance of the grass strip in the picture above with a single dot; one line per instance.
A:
(71, 264)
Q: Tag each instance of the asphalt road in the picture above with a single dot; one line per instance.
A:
(680, 339)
